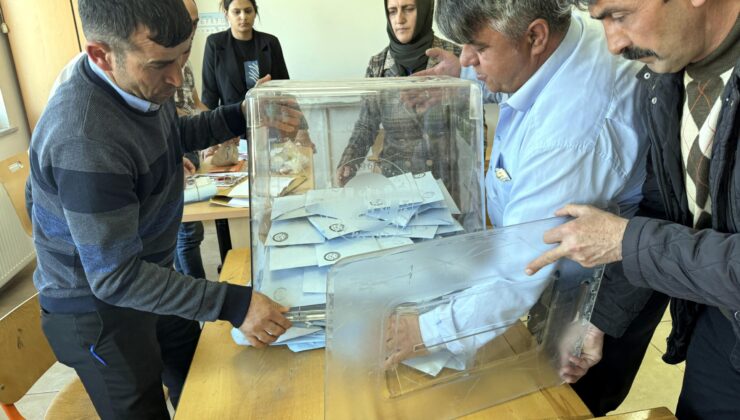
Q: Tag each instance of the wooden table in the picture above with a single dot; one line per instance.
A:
(232, 223)
(227, 381)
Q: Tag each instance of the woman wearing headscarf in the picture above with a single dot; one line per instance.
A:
(405, 145)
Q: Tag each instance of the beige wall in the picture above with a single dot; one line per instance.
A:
(321, 39)
(18, 141)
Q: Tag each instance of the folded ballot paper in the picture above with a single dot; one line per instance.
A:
(311, 232)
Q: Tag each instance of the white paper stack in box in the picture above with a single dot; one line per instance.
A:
(416, 174)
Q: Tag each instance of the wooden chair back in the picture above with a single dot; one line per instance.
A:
(13, 174)
(26, 354)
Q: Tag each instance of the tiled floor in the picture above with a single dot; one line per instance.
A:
(657, 383)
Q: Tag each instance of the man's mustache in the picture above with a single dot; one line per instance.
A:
(636, 53)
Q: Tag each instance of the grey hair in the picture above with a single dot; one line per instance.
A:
(581, 4)
(460, 20)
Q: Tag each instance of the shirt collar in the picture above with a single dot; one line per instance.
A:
(132, 101)
(524, 98)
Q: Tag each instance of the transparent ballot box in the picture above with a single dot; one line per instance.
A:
(444, 328)
(373, 164)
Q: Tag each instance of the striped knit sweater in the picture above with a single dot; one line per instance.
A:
(106, 198)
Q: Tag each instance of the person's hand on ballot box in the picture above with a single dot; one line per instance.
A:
(403, 340)
(280, 113)
(265, 321)
(448, 64)
(573, 368)
(420, 101)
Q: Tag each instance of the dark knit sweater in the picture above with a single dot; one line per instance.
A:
(106, 191)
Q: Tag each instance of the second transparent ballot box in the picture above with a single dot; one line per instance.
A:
(345, 168)
(445, 328)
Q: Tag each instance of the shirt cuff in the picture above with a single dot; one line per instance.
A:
(236, 304)
(438, 326)
(631, 251)
(235, 119)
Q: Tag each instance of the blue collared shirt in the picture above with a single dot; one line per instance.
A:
(570, 134)
(133, 101)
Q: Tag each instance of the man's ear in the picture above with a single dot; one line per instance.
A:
(538, 36)
(101, 54)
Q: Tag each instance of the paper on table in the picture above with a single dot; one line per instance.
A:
(238, 202)
(293, 333)
(299, 347)
(240, 190)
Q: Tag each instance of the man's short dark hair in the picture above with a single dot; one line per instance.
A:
(461, 20)
(114, 21)
(581, 4)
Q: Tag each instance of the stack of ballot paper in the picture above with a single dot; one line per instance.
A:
(311, 232)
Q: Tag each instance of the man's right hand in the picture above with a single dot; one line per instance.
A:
(449, 64)
(265, 321)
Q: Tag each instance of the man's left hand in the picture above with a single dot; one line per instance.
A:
(574, 368)
(593, 238)
(188, 168)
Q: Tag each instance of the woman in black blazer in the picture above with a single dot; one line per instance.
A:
(236, 58)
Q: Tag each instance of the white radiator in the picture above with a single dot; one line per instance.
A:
(16, 248)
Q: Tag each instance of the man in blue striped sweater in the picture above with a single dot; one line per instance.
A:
(106, 201)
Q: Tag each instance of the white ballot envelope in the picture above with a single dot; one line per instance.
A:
(293, 232)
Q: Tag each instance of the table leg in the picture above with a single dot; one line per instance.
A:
(224, 238)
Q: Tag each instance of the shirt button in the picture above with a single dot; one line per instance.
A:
(737, 316)
(654, 101)
(646, 76)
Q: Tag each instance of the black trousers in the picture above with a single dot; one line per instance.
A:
(607, 384)
(711, 385)
(123, 356)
